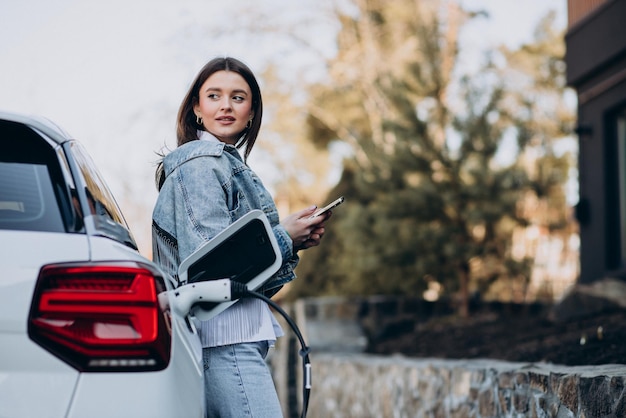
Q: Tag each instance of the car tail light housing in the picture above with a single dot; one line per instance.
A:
(102, 317)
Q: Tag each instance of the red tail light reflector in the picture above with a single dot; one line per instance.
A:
(102, 317)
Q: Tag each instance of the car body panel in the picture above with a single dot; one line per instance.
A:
(33, 382)
(177, 391)
(21, 256)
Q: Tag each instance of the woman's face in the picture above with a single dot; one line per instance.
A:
(225, 105)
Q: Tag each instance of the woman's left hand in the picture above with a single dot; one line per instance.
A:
(305, 232)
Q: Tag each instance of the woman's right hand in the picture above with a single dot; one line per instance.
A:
(305, 232)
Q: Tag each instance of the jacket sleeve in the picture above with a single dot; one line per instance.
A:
(290, 260)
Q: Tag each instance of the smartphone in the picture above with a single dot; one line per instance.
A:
(328, 207)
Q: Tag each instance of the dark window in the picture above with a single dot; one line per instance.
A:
(27, 199)
(621, 190)
(616, 190)
(33, 193)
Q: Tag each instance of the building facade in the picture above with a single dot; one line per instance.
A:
(596, 69)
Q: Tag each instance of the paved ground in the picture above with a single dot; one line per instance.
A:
(515, 336)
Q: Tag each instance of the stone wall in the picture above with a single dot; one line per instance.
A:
(347, 383)
(362, 386)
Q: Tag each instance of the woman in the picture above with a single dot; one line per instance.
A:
(204, 186)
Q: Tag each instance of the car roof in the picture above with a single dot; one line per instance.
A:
(40, 123)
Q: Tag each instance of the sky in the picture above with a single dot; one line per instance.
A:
(112, 73)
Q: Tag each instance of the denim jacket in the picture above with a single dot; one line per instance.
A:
(207, 187)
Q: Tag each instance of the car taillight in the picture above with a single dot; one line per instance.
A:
(102, 317)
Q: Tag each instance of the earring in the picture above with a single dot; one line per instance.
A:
(249, 124)
(198, 120)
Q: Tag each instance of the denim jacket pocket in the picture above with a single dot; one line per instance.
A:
(240, 206)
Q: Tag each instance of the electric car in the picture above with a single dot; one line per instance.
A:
(86, 325)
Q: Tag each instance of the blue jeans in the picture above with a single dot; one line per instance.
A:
(238, 382)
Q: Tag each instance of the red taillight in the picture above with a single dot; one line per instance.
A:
(101, 317)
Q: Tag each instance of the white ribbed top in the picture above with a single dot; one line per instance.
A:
(248, 320)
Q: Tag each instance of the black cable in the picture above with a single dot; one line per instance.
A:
(241, 290)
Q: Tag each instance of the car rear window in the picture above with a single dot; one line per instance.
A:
(27, 199)
(31, 189)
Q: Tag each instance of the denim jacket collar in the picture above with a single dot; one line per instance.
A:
(206, 136)
(211, 147)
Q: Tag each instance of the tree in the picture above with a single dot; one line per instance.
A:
(298, 166)
(427, 199)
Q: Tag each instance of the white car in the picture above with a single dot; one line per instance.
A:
(86, 328)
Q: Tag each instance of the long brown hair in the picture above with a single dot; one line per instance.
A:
(186, 125)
